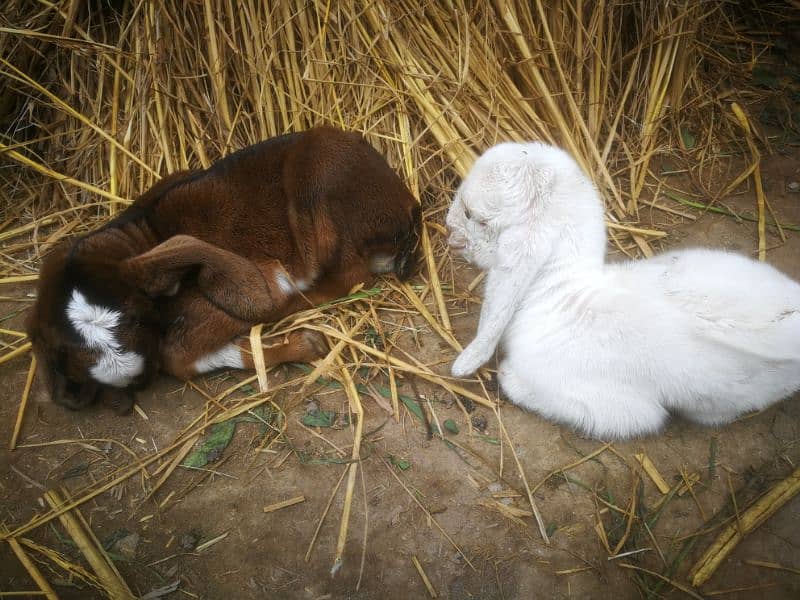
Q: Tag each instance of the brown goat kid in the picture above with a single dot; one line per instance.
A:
(202, 256)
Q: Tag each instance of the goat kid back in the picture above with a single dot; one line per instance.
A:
(193, 263)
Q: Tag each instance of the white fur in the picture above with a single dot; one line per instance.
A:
(290, 286)
(381, 263)
(117, 368)
(610, 349)
(96, 325)
(284, 283)
(229, 356)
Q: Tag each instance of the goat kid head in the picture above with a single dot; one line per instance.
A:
(94, 335)
(97, 323)
(100, 317)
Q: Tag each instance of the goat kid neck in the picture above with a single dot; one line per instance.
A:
(116, 242)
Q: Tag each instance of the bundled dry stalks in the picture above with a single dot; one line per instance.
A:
(113, 97)
(100, 99)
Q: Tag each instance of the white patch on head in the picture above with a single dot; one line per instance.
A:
(229, 356)
(117, 368)
(96, 325)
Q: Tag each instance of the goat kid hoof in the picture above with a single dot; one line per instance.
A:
(312, 343)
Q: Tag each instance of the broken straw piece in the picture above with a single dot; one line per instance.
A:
(652, 472)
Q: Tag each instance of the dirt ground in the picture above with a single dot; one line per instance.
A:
(460, 486)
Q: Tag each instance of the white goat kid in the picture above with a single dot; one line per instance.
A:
(610, 349)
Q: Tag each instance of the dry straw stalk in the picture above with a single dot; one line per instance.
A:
(103, 104)
(101, 564)
(754, 516)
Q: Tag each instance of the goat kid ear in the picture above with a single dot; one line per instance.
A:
(159, 271)
(231, 282)
(526, 176)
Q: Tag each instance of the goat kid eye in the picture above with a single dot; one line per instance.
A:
(467, 213)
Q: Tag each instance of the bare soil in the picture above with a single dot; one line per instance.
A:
(262, 555)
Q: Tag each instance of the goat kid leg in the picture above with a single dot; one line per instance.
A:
(192, 344)
(298, 346)
(302, 345)
(327, 289)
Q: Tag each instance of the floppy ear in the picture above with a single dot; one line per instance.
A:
(525, 172)
(526, 184)
(229, 281)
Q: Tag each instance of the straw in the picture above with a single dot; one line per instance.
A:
(22, 404)
(424, 577)
(32, 570)
(258, 357)
(358, 411)
(118, 103)
(760, 511)
(95, 555)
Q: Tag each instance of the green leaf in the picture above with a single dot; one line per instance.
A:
(413, 406)
(212, 447)
(451, 426)
(259, 414)
(319, 418)
(116, 557)
(359, 295)
(76, 471)
(688, 139)
(320, 380)
(410, 403)
(490, 440)
(114, 537)
(551, 529)
(400, 463)
(453, 447)
(373, 338)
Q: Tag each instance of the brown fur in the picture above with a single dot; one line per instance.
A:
(315, 207)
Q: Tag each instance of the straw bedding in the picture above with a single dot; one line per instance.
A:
(99, 100)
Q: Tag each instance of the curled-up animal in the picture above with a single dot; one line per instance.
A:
(612, 349)
(172, 282)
